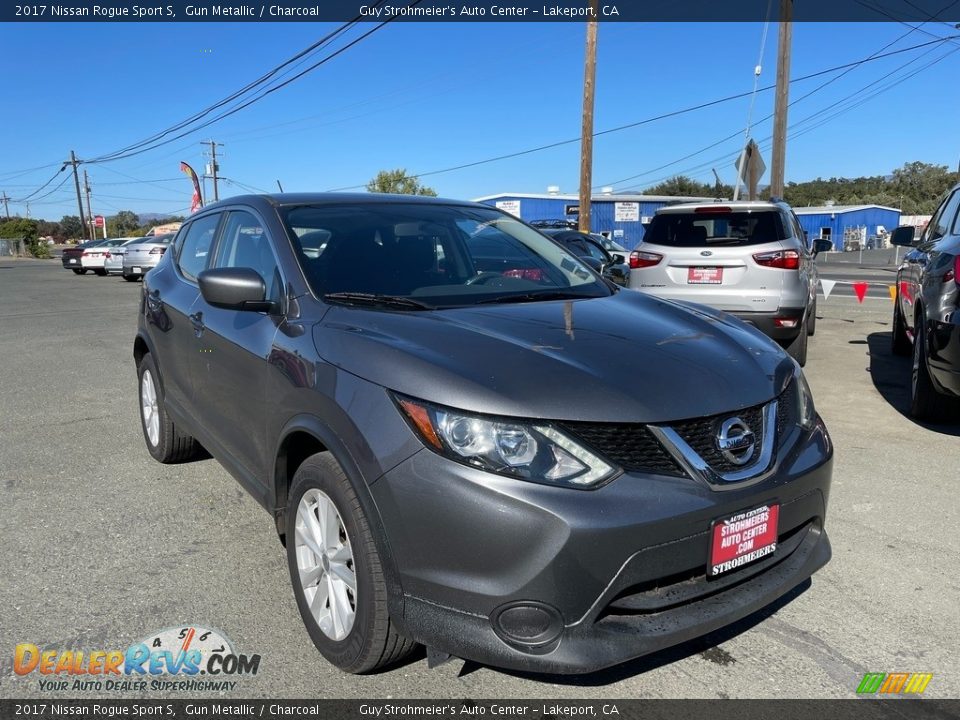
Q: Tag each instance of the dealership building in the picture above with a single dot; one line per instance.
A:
(623, 216)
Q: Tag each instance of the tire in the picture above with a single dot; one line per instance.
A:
(100, 271)
(83, 271)
(900, 342)
(368, 641)
(797, 348)
(77, 271)
(812, 319)
(168, 445)
(925, 402)
(130, 278)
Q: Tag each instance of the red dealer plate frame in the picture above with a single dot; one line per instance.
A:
(754, 537)
(704, 275)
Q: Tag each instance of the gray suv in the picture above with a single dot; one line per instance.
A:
(441, 410)
(746, 258)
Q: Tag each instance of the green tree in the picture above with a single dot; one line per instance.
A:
(681, 185)
(122, 224)
(26, 230)
(397, 181)
(71, 227)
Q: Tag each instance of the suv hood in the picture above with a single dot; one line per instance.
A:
(625, 358)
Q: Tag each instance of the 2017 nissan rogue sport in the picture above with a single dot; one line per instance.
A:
(468, 439)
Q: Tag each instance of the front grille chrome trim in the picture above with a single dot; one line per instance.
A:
(698, 468)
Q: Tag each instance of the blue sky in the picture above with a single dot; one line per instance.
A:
(427, 96)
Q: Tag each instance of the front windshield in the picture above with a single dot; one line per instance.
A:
(437, 255)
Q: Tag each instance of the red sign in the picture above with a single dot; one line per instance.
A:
(743, 538)
(98, 221)
(705, 276)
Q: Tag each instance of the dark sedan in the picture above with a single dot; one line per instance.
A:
(612, 266)
(466, 439)
(926, 313)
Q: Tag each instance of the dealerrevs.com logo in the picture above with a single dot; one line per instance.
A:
(172, 659)
(894, 683)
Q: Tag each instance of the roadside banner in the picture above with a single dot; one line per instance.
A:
(827, 286)
(860, 288)
(196, 202)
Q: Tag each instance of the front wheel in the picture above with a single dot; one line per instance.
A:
(77, 271)
(335, 569)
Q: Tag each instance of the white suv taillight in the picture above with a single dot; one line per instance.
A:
(780, 259)
(640, 259)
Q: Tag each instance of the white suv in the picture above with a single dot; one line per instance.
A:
(747, 258)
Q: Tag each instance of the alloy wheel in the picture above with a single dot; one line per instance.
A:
(148, 407)
(325, 564)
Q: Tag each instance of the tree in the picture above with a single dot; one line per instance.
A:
(681, 185)
(122, 224)
(71, 227)
(26, 230)
(397, 181)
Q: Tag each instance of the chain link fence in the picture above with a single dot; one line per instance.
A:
(12, 248)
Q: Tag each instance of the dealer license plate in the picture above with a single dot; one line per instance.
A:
(743, 538)
(73, 261)
(705, 276)
(136, 270)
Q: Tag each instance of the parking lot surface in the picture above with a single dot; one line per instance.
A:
(103, 546)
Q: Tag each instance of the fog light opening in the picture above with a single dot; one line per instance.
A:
(528, 625)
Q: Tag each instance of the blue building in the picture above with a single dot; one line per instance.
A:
(838, 221)
(623, 216)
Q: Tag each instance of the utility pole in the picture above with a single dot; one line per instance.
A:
(76, 183)
(86, 186)
(779, 161)
(213, 167)
(586, 135)
(6, 206)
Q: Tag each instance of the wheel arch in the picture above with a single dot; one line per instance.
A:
(306, 435)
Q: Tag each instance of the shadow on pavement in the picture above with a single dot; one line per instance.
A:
(705, 646)
(891, 377)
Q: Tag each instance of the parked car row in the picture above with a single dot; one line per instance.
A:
(131, 257)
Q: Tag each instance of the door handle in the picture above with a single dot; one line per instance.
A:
(196, 319)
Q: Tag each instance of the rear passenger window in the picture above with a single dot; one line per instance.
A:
(193, 253)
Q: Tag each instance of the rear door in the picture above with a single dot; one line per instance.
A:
(714, 256)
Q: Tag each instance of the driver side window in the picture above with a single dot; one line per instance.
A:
(244, 243)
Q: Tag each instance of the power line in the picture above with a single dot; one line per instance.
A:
(663, 116)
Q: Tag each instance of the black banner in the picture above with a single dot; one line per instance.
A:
(482, 10)
(864, 709)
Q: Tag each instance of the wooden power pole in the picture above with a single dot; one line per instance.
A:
(76, 183)
(586, 135)
(779, 156)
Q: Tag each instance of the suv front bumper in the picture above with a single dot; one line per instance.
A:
(545, 579)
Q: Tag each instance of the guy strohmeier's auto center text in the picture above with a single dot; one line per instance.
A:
(136, 12)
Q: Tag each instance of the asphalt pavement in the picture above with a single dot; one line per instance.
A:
(102, 546)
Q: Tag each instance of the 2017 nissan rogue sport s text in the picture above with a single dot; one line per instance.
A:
(468, 439)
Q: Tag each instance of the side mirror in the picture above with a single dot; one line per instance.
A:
(235, 289)
(618, 259)
(903, 235)
(822, 245)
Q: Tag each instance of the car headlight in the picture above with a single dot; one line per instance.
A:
(806, 414)
(535, 452)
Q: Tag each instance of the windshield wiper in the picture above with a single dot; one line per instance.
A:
(535, 296)
(374, 299)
